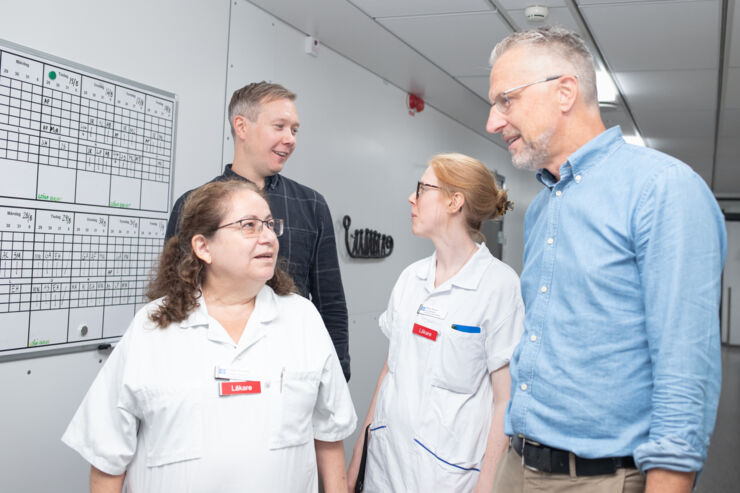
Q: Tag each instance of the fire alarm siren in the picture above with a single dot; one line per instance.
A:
(415, 104)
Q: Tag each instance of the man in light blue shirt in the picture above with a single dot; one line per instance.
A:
(618, 372)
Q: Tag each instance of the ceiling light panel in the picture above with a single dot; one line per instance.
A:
(386, 8)
(463, 45)
(660, 36)
(656, 90)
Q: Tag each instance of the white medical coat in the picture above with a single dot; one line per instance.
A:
(435, 404)
(155, 412)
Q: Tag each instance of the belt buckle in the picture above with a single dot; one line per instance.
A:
(524, 446)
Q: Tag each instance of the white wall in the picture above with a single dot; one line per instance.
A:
(174, 45)
(357, 145)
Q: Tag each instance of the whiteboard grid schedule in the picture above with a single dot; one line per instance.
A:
(85, 179)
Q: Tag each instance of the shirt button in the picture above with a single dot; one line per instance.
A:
(543, 289)
(578, 178)
(558, 193)
(550, 241)
(523, 386)
(533, 338)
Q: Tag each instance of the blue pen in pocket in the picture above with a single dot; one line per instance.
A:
(470, 329)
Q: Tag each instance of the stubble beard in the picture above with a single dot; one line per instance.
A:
(533, 155)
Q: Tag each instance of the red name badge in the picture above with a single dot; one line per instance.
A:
(422, 331)
(234, 388)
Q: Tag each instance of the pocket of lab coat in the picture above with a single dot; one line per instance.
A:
(294, 409)
(462, 361)
(174, 421)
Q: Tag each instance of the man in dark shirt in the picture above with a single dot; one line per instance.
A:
(264, 124)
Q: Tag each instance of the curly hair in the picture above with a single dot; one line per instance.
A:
(180, 273)
(468, 176)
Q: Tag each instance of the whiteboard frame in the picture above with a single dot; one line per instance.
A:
(107, 342)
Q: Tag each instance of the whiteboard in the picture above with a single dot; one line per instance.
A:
(85, 182)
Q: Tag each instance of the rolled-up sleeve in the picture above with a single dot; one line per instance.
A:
(680, 251)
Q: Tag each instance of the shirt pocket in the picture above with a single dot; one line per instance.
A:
(294, 405)
(461, 359)
(174, 420)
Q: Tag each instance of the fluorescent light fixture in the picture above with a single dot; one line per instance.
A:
(605, 87)
(634, 139)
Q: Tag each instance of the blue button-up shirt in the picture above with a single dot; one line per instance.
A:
(621, 283)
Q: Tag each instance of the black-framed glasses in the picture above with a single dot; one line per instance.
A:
(502, 101)
(252, 226)
(420, 186)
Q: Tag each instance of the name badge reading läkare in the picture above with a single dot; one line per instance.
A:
(422, 331)
(234, 388)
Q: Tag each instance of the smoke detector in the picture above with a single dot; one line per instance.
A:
(536, 13)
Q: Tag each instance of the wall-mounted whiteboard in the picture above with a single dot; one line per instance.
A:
(85, 171)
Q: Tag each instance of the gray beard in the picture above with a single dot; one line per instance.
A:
(533, 155)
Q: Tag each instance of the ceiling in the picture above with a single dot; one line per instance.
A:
(675, 63)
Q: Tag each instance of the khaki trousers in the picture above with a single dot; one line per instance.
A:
(513, 477)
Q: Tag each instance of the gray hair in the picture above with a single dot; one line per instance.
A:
(562, 43)
(248, 100)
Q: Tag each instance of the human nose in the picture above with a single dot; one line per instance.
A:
(412, 198)
(496, 121)
(266, 235)
(289, 137)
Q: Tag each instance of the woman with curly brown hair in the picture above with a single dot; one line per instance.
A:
(227, 381)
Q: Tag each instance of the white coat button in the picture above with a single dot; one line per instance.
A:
(578, 178)
(543, 289)
(523, 386)
(550, 241)
(558, 193)
(533, 338)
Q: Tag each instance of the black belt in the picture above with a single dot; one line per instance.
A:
(554, 460)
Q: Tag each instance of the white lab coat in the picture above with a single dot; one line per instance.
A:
(155, 412)
(435, 405)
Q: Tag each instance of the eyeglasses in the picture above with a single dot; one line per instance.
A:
(502, 101)
(252, 226)
(420, 186)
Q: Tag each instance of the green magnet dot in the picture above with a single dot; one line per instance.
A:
(52, 75)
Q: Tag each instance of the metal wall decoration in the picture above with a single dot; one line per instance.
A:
(366, 243)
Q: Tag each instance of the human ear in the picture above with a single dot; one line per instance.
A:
(568, 91)
(241, 126)
(457, 200)
(199, 243)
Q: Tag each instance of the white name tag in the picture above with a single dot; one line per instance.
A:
(224, 373)
(432, 311)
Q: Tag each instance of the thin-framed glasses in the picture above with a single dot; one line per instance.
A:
(502, 101)
(252, 226)
(420, 186)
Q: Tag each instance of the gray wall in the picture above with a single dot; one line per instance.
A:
(357, 145)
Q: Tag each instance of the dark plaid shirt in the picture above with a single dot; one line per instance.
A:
(308, 246)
